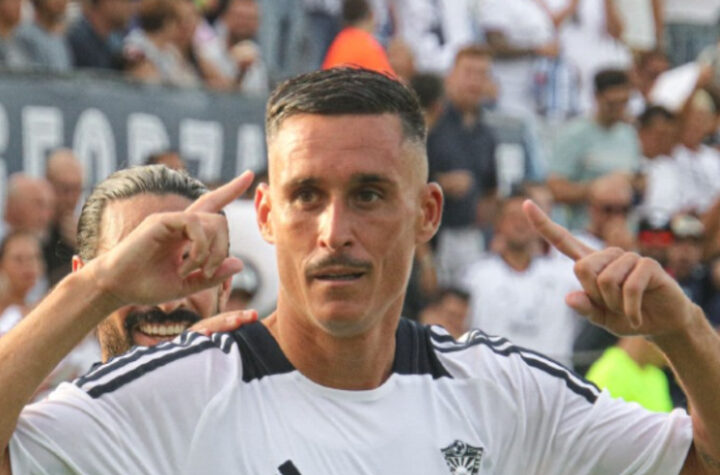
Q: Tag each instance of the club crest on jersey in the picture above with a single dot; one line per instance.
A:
(462, 458)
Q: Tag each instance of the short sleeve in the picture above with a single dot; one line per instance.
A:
(135, 414)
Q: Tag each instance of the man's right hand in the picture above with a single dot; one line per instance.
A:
(171, 255)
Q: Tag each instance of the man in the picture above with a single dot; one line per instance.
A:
(449, 309)
(13, 54)
(65, 174)
(461, 150)
(346, 204)
(29, 205)
(590, 147)
(96, 37)
(44, 37)
(609, 206)
(518, 293)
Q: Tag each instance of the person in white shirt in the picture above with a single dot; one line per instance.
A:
(517, 293)
(334, 381)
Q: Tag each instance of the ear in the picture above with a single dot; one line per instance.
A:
(431, 206)
(77, 263)
(263, 206)
(224, 293)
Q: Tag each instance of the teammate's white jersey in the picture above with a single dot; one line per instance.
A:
(527, 307)
(234, 404)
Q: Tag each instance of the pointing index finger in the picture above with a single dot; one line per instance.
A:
(215, 200)
(555, 234)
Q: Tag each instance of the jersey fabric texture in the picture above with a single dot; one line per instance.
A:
(233, 403)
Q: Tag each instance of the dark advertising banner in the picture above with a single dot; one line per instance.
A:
(110, 124)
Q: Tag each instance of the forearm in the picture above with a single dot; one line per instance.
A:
(566, 191)
(695, 356)
(31, 350)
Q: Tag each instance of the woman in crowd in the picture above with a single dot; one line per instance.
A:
(21, 266)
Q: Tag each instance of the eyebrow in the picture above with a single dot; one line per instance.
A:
(360, 178)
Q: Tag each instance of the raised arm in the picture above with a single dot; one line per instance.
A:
(167, 256)
(632, 295)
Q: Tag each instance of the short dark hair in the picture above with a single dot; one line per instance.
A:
(354, 11)
(428, 87)
(153, 15)
(123, 184)
(345, 91)
(653, 112)
(608, 78)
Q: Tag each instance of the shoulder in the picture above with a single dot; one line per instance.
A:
(477, 355)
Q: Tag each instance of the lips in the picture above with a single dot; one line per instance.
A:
(155, 326)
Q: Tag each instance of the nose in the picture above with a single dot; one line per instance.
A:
(335, 226)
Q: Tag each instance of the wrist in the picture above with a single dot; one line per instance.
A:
(97, 285)
(692, 332)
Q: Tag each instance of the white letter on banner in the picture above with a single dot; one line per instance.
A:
(250, 149)
(94, 141)
(146, 135)
(202, 141)
(42, 131)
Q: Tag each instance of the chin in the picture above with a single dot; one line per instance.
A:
(343, 320)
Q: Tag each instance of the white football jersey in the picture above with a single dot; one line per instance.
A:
(527, 307)
(233, 403)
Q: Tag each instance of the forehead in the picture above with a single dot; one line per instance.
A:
(338, 146)
(120, 217)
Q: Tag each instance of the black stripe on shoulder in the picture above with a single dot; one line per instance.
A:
(414, 352)
(260, 353)
(134, 354)
(125, 378)
(501, 346)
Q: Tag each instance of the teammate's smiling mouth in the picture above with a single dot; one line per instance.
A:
(153, 325)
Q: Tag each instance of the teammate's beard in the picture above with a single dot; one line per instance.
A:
(117, 339)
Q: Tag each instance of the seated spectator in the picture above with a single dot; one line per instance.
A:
(449, 309)
(44, 37)
(355, 44)
(13, 54)
(234, 51)
(96, 37)
(29, 205)
(685, 257)
(654, 237)
(631, 370)
(430, 92)
(21, 267)
(517, 293)
(65, 174)
(590, 147)
(153, 47)
(647, 67)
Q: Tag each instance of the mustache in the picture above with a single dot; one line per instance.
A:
(337, 260)
(155, 315)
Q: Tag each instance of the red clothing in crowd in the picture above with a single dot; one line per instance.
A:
(356, 47)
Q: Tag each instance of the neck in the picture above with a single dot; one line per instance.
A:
(13, 297)
(518, 259)
(604, 122)
(358, 362)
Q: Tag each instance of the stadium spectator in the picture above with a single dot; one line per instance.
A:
(590, 147)
(355, 44)
(96, 37)
(13, 54)
(189, 27)
(21, 267)
(609, 207)
(690, 26)
(517, 293)
(336, 336)
(685, 257)
(632, 370)
(153, 45)
(430, 92)
(401, 58)
(641, 24)
(324, 22)
(647, 67)
(449, 309)
(169, 158)
(518, 32)
(44, 39)
(461, 153)
(65, 174)
(29, 205)
(234, 50)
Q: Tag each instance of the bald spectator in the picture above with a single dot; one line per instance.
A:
(590, 147)
(96, 38)
(355, 45)
(65, 174)
(29, 205)
(12, 53)
(44, 37)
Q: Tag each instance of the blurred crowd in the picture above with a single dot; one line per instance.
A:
(604, 112)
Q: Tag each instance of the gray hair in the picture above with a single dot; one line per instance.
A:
(123, 184)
